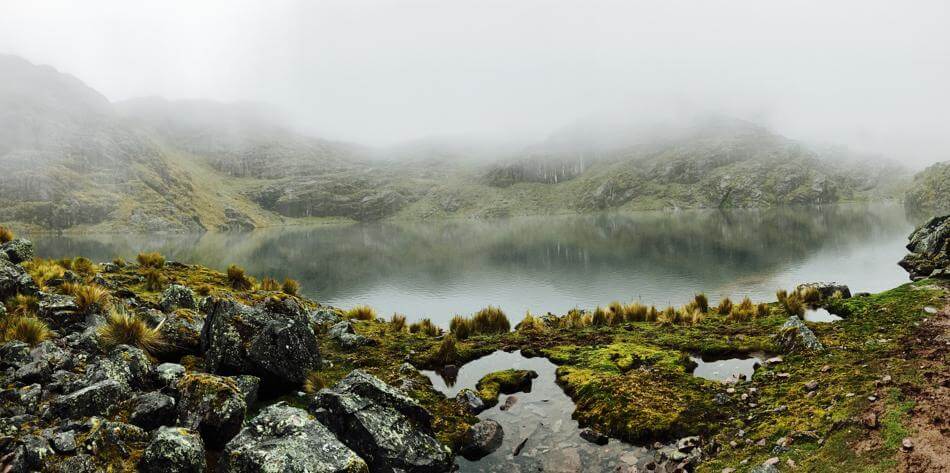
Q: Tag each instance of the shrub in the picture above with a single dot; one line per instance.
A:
(6, 234)
(810, 295)
(531, 323)
(635, 312)
(29, 330)
(90, 298)
(461, 327)
(702, 302)
(490, 320)
(668, 316)
(122, 328)
(151, 260)
(725, 306)
(598, 318)
(153, 279)
(447, 353)
(269, 284)
(237, 279)
(290, 287)
(398, 323)
(314, 382)
(425, 327)
(83, 265)
(361, 312)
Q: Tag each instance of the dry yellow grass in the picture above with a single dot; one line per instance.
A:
(122, 328)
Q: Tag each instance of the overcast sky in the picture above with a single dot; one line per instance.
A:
(869, 74)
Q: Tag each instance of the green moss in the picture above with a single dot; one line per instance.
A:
(503, 382)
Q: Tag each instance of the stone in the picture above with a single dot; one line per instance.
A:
(764, 469)
(18, 250)
(274, 342)
(14, 279)
(168, 374)
(34, 372)
(248, 385)
(794, 337)
(211, 405)
(482, 439)
(181, 331)
(811, 385)
(907, 444)
(173, 449)
(774, 360)
(176, 296)
(126, 365)
(510, 401)
(384, 426)
(870, 420)
(117, 438)
(151, 410)
(470, 401)
(323, 316)
(346, 336)
(91, 400)
(594, 436)
(284, 439)
(14, 353)
(929, 248)
(826, 289)
(64, 442)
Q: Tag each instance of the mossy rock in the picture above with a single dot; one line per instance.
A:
(503, 382)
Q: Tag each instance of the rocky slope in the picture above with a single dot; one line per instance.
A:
(75, 161)
(929, 193)
(164, 366)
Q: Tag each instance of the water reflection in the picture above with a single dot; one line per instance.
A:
(542, 264)
(727, 370)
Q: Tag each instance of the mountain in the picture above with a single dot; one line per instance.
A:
(74, 161)
(929, 194)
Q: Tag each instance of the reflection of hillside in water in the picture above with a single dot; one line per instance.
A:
(701, 248)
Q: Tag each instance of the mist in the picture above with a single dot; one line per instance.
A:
(871, 76)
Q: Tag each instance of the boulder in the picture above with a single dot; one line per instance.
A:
(14, 279)
(826, 289)
(794, 336)
(248, 385)
(126, 365)
(64, 442)
(14, 353)
(31, 454)
(283, 438)
(382, 425)
(470, 401)
(594, 436)
(113, 440)
(929, 249)
(211, 405)
(323, 316)
(60, 310)
(344, 334)
(176, 296)
(182, 330)
(94, 399)
(173, 449)
(152, 410)
(274, 342)
(481, 439)
(168, 374)
(18, 250)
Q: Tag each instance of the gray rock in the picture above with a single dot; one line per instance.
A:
(211, 405)
(95, 399)
(594, 436)
(168, 374)
(176, 296)
(827, 289)
(18, 250)
(323, 317)
(285, 439)
(249, 385)
(152, 410)
(126, 365)
(34, 372)
(182, 331)
(344, 334)
(59, 309)
(13, 280)
(173, 449)
(81, 463)
(382, 425)
(31, 454)
(470, 400)
(481, 439)
(764, 469)
(113, 437)
(275, 343)
(794, 336)
(64, 442)
(929, 248)
(14, 354)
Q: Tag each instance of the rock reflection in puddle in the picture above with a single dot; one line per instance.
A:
(820, 315)
(727, 370)
(543, 417)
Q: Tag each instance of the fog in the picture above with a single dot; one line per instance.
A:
(867, 74)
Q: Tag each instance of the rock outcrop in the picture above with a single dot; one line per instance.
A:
(929, 250)
(794, 336)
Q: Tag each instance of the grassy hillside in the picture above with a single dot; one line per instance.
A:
(929, 194)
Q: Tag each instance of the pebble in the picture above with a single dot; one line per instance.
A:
(825, 369)
(774, 360)
(811, 385)
(886, 379)
(728, 470)
(790, 463)
(872, 398)
(907, 444)
(771, 461)
(784, 375)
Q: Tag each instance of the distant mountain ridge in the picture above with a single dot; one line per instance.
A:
(74, 161)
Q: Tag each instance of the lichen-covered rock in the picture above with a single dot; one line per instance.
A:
(18, 250)
(126, 365)
(111, 442)
(929, 249)
(470, 401)
(274, 342)
(283, 439)
(389, 430)
(173, 449)
(323, 317)
(31, 454)
(249, 385)
(482, 438)
(59, 309)
(91, 400)
(14, 279)
(151, 410)
(168, 374)
(14, 353)
(504, 382)
(181, 330)
(794, 336)
(212, 406)
(346, 336)
(176, 296)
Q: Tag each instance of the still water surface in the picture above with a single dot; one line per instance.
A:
(541, 264)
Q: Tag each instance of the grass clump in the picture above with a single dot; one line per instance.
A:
(120, 262)
(6, 234)
(599, 317)
(490, 320)
(447, 353)
(398, 323)
(573, 320)
(89, 298)
(702, 302)
(810, 295)
(204, 290)
(151, 260)
(44, 270)
(237, 279)
(314, 382)
(153, 279)
(29, 330)
(725, 306)
(23, 305)
(290, 287)
(83, 266)
(635, 312)
(461, 327)
(361, 312)
(530, 323)
(762, 310)
(793, 304)
(425, 327)
(122, 328)
(269, 284)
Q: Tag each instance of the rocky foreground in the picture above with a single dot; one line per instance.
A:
(162, 366)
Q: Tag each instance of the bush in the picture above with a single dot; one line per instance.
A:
(237, 279)
(461, 327)
(398, 323)
(425, 327)
(725, 306)
(490, 320)
(531, 323)
(361, 312)
(153, 279)
(122, 328)
(6, 234)
(290, 287)
(447, 354)
(269, 284)
(314, 382)
(29, 330)
(90, 298)
(151, 260)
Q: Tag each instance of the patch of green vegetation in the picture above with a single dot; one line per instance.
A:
(503, 382)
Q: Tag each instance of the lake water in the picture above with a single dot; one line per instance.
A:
(437, 269)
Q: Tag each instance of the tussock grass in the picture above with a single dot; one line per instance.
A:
(122, 328)
(29, 330)
(154, 281)
(398, 323)
(635, 312)
(44, 270)
(89, 298)
(290, 287)
(781, 295)
(725, 306)
(702, 302)
(653, 315)
(791, 302)
(762, 310)
(461, 327)
(530, 323)
(447, 353)
(668, 316)
(573, 320)
(490, 320)
(120, 262)
(810, 295)
(237, 279)
(151, 260)
(269, 284)
(6, 234)
(361, 312)
(425, 327)
(22, 305)
(203, 290)
(83, 266)
(615, 312)
(837, 294)
(599, 317)
(314, 382)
